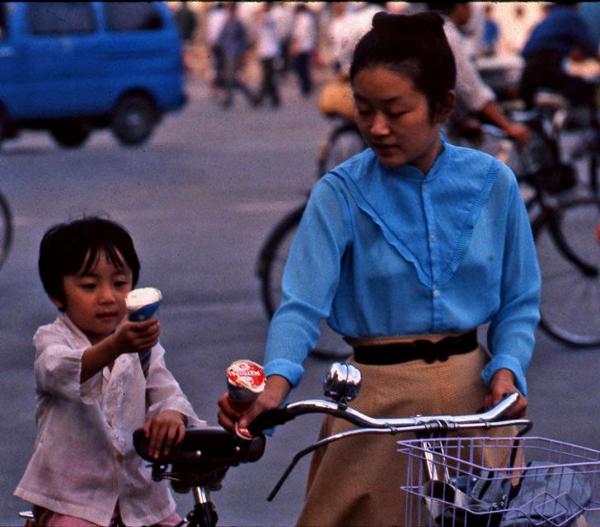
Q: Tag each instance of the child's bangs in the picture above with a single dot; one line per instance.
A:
(112, 255)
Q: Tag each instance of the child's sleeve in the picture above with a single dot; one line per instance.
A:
(164, 393)
(57, 368)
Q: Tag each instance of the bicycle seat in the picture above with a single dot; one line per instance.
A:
(550, 100)
(202, 458)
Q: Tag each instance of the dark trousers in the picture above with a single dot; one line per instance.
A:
(268, 85)
(302, 67)
(232, 82)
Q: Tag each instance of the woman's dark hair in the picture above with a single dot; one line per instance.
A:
(413, 45)
(71, 248)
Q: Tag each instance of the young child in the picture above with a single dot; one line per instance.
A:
(92, 392)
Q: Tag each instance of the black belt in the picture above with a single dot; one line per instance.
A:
(397, 353)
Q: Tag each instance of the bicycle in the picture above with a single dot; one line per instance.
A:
(464, 481)
(565, 224)
(558, 223)
(447, 482)
(6, 228)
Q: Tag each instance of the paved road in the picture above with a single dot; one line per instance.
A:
(199, 199)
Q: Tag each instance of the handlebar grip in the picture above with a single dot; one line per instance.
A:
(269, 419)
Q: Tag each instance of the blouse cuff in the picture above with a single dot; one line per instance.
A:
(507, 362)
(292, 371)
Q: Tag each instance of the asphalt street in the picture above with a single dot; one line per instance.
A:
(199, 199)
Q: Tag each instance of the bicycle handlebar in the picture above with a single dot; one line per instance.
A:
(429, 423)
(425, 425)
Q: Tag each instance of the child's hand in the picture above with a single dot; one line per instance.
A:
(135, 337)
(165, 431)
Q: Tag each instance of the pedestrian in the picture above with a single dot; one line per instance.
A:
(268, 50)
(215, 20)
(92, 392)
(412, 239)
(491, 32)
(304, 42)
(186, 22)
(233, 43)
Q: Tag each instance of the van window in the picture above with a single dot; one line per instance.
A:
(3, 22)
(132, 16)
(58, 18)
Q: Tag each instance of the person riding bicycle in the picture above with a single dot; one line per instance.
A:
(92, 392)
(405, 249)
(561, 34)
(475, 100)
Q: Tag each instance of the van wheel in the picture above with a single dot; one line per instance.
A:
(70, 135)
(133, 120)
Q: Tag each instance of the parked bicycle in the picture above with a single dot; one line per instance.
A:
(6, 228)
(450, 481)
(566, 228)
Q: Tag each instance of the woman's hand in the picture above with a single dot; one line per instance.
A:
(165, 431)
(503, 382)
(232, 413)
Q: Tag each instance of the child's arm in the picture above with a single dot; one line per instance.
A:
(169, 411)
(129, 337)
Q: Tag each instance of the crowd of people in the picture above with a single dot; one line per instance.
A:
(274, 39)
(413, 239)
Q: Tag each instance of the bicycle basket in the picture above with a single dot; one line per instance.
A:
(500, 482)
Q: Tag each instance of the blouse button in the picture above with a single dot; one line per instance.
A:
(436, 293)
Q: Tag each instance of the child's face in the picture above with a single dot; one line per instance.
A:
(394, 118)
(95, 301)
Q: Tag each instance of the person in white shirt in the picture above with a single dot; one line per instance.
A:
(473, 96)
(268, 49)
(304, 42)
(215, 20)
(96, 383)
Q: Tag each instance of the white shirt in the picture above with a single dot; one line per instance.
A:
(267, 39)
(215, 20)
(304, 33)
(471, 92)
(84, 460)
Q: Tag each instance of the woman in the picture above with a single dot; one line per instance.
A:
(412, 239)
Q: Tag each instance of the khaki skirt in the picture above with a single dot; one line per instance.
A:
(356, 482)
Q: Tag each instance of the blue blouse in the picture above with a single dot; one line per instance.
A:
(392, 251)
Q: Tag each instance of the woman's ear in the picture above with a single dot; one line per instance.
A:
(445, 108)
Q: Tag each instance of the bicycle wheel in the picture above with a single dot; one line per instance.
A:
(343, 142)
(270, 265)
(6, 229)
(568, 244)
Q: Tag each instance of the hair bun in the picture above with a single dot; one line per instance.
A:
(421, 22)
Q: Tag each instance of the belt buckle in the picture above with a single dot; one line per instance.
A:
(430, 350)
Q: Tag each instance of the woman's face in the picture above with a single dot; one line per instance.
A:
(394, 119)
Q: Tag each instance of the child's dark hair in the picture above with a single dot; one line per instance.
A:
(74, 247)
(413, 45)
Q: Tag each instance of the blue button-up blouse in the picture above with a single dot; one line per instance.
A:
(392, 251)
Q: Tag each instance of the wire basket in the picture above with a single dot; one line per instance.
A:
(500, 482)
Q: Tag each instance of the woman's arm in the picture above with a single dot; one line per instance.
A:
(511, 336)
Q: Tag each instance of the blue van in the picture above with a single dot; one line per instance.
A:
(72, 67)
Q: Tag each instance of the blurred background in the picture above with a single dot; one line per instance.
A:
(199, 145)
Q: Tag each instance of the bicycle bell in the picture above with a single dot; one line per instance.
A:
(342, 382)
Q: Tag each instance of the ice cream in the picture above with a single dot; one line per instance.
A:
(142, 303)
